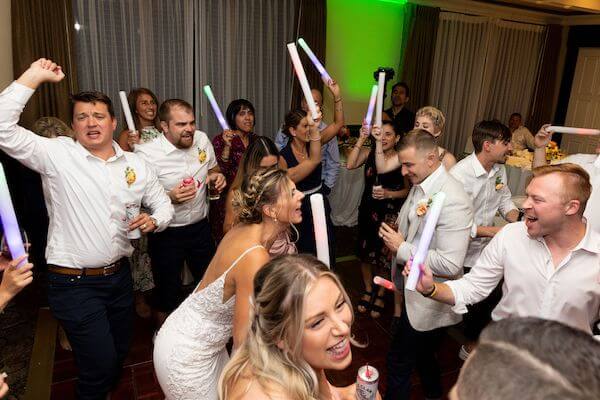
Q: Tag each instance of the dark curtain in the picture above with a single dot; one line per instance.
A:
(44, 28)
(311, 20)
(541, 106)
(418, 60)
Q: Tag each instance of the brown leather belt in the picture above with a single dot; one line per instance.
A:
(99, 271)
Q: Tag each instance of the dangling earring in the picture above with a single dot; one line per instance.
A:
(275, 219)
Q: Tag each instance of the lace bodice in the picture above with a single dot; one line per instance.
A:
(192, 341)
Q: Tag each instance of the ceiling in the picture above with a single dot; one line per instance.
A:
(557, 7)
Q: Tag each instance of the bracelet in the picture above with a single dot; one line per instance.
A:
(224, 158)
(338, 100)
(432, 293)
(315, 140)
(379, 152)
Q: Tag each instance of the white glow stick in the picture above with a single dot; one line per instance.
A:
(379, 106)
(310, 101)
(423, 247)
(324, 75)
(321, 239)
(577, 131)
(126, 111)
(372, 100)
(215, 106)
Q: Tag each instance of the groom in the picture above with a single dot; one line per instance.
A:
(421, 324)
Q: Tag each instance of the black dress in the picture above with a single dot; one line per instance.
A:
(372, 213)
(306, 242)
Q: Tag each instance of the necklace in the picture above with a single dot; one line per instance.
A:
(299, 154)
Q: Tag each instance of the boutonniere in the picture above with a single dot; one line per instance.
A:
(423, 206)
(130, 176)
(201, 155)
(499, 183)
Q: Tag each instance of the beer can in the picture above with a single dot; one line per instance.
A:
(132, 210)
(367, 381)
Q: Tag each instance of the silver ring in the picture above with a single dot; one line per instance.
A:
(144, 226)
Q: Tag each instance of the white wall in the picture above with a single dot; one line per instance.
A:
(6, 66)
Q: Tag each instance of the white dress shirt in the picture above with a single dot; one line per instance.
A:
(533, 286)
(173, 165)
(87, 194)
(591, 163)
(487, 200)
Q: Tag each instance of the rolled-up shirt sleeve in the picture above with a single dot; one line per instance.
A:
(156, 199)
(482, 279)
(21, 144)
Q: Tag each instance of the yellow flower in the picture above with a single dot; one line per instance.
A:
(201, 156)
(499, 186)
(130, 176)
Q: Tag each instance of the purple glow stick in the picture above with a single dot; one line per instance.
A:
(372, 100)
(211, 98)
(12, 233)
(324, 75)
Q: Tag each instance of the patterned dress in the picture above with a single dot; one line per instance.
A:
(229, 169)
(372, 213)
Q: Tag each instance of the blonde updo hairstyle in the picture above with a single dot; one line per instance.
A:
(272, 353)
(436, 116)
(261, 188)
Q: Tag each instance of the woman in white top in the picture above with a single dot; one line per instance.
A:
(189, 351)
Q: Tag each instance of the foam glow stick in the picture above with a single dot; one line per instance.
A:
(310, 101)
(324, 75)
(372, 100)
(126, 111)
(577, 131)
(384, 282)
(12, 233)
(213, 103)
(430, 222)
(379, 106)
(321, 239)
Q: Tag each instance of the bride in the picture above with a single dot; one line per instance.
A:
(189, 351)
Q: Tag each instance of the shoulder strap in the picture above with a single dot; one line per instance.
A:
(248, 250)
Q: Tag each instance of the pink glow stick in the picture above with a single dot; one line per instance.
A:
(576, 131)
(384, 283)
(310, 101)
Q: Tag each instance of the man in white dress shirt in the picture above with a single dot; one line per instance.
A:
(483, 176)
(550, 262)
(185, 163)
(589, 162)
(90, 181)
(421, 325)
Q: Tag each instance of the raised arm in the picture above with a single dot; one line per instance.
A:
(338, 114)
(20, 143)
(305, 167)
(540, 141)
(358, 155)
(381, 163)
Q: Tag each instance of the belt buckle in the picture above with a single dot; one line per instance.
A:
(109, 270)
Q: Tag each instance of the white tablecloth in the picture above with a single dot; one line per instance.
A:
(345, 196)
(518, 179)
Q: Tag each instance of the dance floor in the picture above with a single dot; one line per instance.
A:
(138, 381)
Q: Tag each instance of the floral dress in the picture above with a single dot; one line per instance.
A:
(372, 212)
(229, 169)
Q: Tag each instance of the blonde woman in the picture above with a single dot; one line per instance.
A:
(300, 327)
(189, 351)
(429, 119)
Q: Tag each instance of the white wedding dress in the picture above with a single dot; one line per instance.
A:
(189, 350)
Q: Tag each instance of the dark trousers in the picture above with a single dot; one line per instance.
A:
(480, 314)
(412, 349)
(97, 315)
(168, 251)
